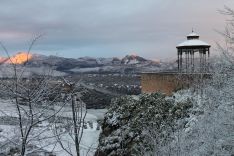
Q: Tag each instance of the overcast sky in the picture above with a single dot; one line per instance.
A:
(106, 28)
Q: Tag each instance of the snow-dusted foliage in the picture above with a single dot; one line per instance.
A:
(135, 125)
(209, 129)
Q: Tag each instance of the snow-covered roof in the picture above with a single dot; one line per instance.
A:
(193, 40)
(193, 43)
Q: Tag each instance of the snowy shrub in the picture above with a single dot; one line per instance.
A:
(135, 125)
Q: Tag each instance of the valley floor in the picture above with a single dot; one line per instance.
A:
(89, 143)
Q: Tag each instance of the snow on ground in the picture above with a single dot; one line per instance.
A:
(7, 108)
(27, 71)
(98, 113)
(90, 137)
(94, 69)
(7, 131)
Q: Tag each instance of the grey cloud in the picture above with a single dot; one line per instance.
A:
(152, 28)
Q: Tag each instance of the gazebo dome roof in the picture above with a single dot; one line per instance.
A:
(193, 41)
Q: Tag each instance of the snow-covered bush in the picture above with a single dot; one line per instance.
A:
(135, 125)
(209, 128)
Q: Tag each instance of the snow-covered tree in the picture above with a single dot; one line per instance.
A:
(33, 98)
(73, 129)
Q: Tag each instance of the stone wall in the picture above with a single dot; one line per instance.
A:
(169, 82)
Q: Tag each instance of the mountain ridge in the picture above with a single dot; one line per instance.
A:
(22, 57)
(127, 64)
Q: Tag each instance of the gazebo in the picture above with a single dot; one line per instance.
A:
(186, 55)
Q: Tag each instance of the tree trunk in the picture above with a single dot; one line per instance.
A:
(23, 147)
(75, 125)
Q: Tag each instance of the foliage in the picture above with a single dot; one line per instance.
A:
(131, 123)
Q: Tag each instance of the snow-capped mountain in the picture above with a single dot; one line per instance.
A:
(133, 59)
(19, 58)
(127, 64)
